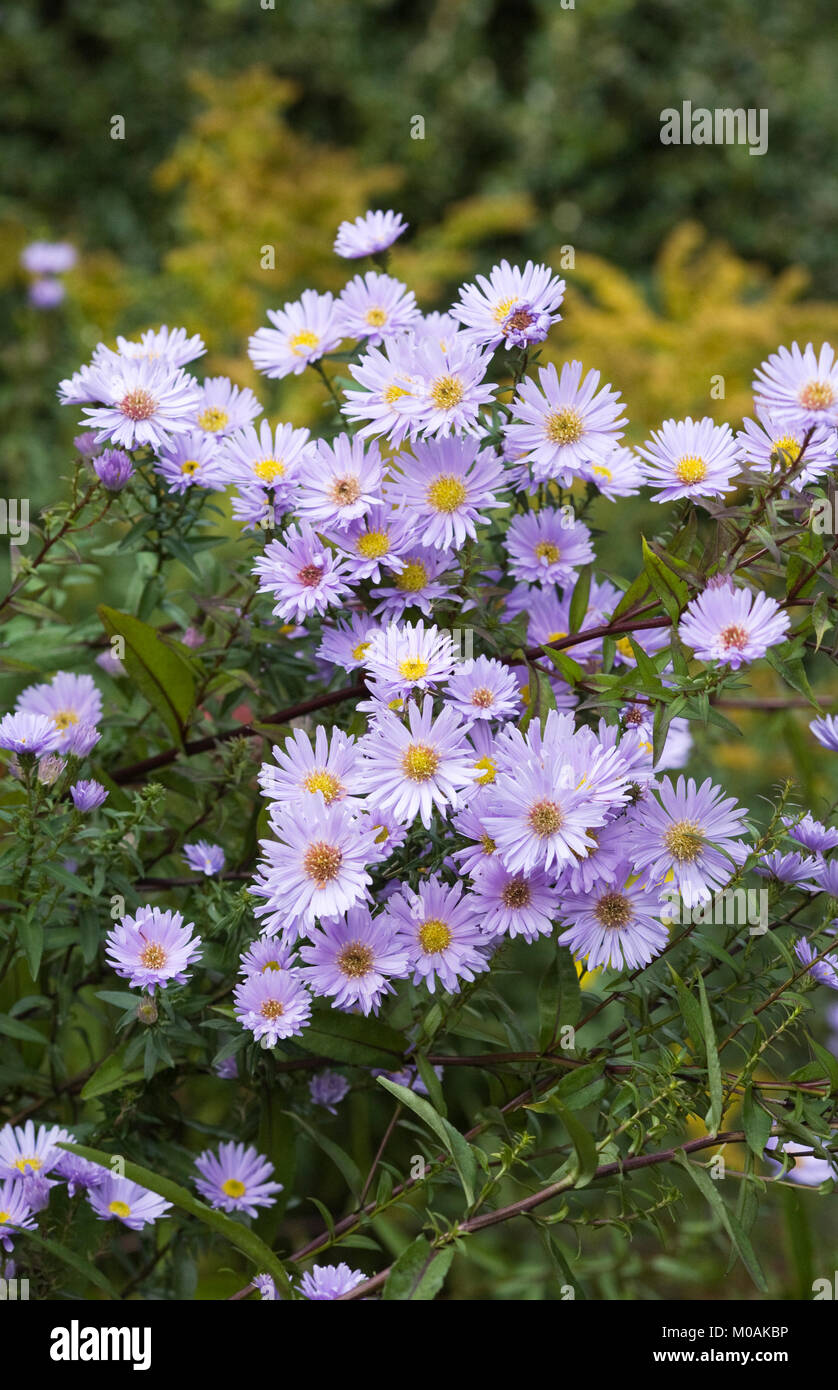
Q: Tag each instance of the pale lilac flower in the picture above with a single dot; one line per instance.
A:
(772, 446)
(732, 626)
(331, 767)
(119, 1199)
(189, 461)
(45, 292)
(512, 306)
(540, 817)
(265, 458)
(617, 474)
(806, 1168)
(141, 401)
(266, 953)
(564, 422)
(224, 408)
(825, 730)
(443, 488)
(301, 333)
(267, 1288)
(811, 833)
(328, 1089)
(824, 971)
(322, 1283)
(374, 306)
(691, 458)
(114, 469)
(484, 689)
(391, 400)
(412, 768)
(236, 1178)
(25, 1150)
(544, 547)
(68, 700)
(415, 585)
(406, 658)
(340, 483)
(204, 858)
(79, 1173)
(369, 235)
(451, 389)
(23, 732)
(80, 739)
(173, 344)
(689, 832)
(48, 257)
(373, 541)
(440, 928)
(301, 573)
(513, 904)
(88, 795)
(617, 924)
(799, 388)
(346, 645)
(15, 1213)
(152, 948)
(273, 1005)
(353, 960)
(793, 868)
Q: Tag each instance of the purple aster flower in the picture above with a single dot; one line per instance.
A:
(223, 407)
(68, 700)
(471, 824)
(152, 948)
(391, 400)
(346, 644)
(80, 739)
(36, 1189)
(618, 474)
(193, 637)
(85, 444)
(406, 658)
(564, 422)
(410, 769)
(799, 388)
(811, 833)
(341, 482)
(616, 924)
(265, 458)
(331, 767)
(301, 333)
(88, 795)
(273, 1005)
(791, 868)
(825, 730)
(110, 663)
(373, 540)
(353, 960)
(824, 971)
(189, 461)
(173, 344)
(266, 953)
(442, 488)
(119, 1199)
(439, 927)
(204, 857)
(228, 1070)
(450, 387)
(544, 548)
(512, 306)
(301, 573)
(325, 1282)
(315, 867)
(28, 733)
(25, 1149)
(48, 257)
(114, 469)
(141, 401)
(732, 626)
(45, 292)
(539, 816)
(374, 306)
(79, 1173)
(50, 768)
(415, 585)
(328, 1089)
(513, 904)
(15, 1214)
(369, 235)
(691, 458)
(773, 446)
(828, 877)
(236, 1178)
(484, 689)
(690, 831)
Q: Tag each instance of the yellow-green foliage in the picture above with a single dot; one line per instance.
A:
(707, 313)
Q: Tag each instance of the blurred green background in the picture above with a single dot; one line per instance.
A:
(248, 126)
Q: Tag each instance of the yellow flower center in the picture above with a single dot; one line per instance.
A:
(322, 781)
(268, 469)
(23, 1163)
(488, 769)
(383, 834)
(502, 308)
(322, 862)
(272, 1009)
(817, 395)
(356, 959)
(119, 1209)
(138, 405)
(373, 544)
(360, 651)
(213, 419)
(303, 342)
(434, 935)
(270, 965)
(446, 392)
(487, 844)
(63, 718)
(413, 577)
(601, 470)
(555, 636)
(4, 1216)
(376, 318)
(684, 840)
(233, 1188)
(565, 426)
(413, 668)
(613, 911)
(190, 466)
(545, 818)
(623, 646)
(153, 957)
(446, 493)
(419, 762)
(395, 393)
(690, 469)
(546, 550)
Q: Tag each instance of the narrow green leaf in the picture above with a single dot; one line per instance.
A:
(451, 1138)
(419, 1272)
(714, 1071)
(165, 677)
(710, 1191)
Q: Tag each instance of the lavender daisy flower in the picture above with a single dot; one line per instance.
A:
(114, 469)
(273, 1005)
(374, 306)
(374, 540)
(512, 306)
(793, 868)
(618, 474)
(799, 388)
(617, 924)
(15, 1213)
(110, 663)
(483, 689)
(406, 658)
(331, 767)
(451, 388)
(346, 644)
(204, 857)
(391, 400)
(342, 482)
(315, 867)
(28, 733)
(265, 458)
(266, 953)
(189, 461)
(45, 292)
(353, 960)
(539, 818)
(142, 402)
(79, 1173)
(25, 1150)
(48, 257)
(824, 971)
(369, 235)
(513, 904)
(732, 626)
(68, 700)
(173, 344)
(152, 949)
(564, 422)
(443, 487)
(471, 824)
(691, 458)
(410, 769)
(544, 549)
(440, 928)
(328, 1089)
(85, 444)
(119, 1199)
(773, 446)
(690, 833)
(322, 1283)
(236, 1178)
(301, 573)
(88, 795)
(301, 333)
(227, 1070)
(825, 730)
(80, 739)
(811, 833)
(224, 408)
(415, 585)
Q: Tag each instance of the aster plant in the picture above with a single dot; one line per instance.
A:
(381, 809)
